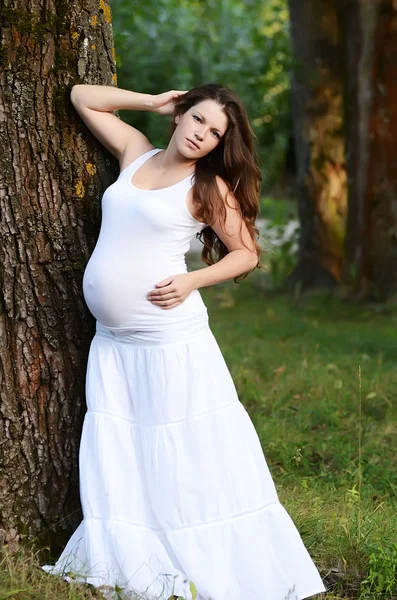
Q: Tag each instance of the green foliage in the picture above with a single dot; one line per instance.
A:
(279, 234)
(169, 44)
(282, 259)
(381, 582)
(280, 211)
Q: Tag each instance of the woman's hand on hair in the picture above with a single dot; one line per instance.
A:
(172, 291)
(163, 104)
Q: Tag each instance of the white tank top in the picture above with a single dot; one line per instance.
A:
(143, 239)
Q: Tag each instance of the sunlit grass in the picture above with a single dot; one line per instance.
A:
(21, 578)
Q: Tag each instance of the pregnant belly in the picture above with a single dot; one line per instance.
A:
(116, 292)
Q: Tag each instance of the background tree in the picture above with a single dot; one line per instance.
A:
(49, 217)
(370, 38)
(317, 108)
(344, 90)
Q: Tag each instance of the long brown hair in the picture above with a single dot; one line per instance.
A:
(234, 159)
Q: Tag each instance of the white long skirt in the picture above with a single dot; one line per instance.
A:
(173, 481)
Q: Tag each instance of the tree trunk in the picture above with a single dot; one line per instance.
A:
(370, 28)
(317, 107)
(52, 182)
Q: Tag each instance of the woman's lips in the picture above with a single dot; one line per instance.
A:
(193, 144)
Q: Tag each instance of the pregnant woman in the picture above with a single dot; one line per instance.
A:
(173, 481)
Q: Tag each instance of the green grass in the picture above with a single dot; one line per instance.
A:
(296, 364)
(318, 377)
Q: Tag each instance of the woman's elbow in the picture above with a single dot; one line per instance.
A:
(252, 259)
(74, 92)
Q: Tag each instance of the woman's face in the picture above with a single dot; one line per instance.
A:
(200, 129)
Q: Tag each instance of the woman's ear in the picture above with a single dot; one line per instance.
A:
(177, 119)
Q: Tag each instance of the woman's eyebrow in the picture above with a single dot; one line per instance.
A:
(204, 119)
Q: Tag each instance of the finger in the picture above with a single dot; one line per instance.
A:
(161, 294)
(171, 306)
(164, 282)
(176, 95)
(164, 299)
(163, 302)
(166, 289)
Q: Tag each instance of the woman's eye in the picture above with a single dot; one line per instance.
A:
(217, 134)
(196, 117)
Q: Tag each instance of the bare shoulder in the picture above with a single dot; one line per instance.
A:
(222, 185)
(226, 192)
(135, 147)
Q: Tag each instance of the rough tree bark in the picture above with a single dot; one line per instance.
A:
(51, 185)
(317, 107)
(370, 28)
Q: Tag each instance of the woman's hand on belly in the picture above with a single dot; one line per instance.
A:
(172, 291)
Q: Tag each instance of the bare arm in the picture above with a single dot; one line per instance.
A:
(95, 104)
(240, 259)
(108, 98)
